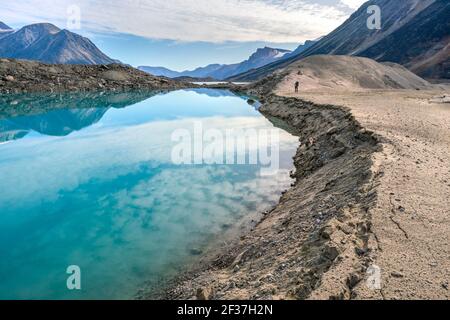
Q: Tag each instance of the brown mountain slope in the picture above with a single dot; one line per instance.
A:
(337, 73)
(414, 33)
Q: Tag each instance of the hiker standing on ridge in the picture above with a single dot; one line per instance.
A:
(297, 86)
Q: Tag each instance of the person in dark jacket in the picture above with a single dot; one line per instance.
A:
(297, 86)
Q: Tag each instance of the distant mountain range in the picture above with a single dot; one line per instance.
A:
(261, 57)
(415, 33)
(47, 43)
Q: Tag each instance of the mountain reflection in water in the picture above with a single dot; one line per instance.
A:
(59, 114)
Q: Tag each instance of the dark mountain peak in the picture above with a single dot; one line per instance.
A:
(267, 52)
(4, 27)
(310, 42)
(66, 32)
(47, 43)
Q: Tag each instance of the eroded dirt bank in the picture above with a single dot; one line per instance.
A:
(323, 219)
(410, 221)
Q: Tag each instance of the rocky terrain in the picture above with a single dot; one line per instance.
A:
(21, 76)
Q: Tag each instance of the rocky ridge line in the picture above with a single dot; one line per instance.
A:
(23, 76)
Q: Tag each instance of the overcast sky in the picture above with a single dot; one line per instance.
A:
(244, 24)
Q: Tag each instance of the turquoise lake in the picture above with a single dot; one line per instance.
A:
(89, 180)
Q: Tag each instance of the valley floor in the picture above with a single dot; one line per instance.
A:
(411, 217)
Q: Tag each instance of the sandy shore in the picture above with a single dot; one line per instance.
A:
(368, 216)
(411, 217)
(372, 191)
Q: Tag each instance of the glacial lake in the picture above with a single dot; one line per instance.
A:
(90, 180)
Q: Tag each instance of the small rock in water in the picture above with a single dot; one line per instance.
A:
(196, 252)
(226, 226)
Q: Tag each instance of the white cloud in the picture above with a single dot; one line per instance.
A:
(353, 4)
(190, 20)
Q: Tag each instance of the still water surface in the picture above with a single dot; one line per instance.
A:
(93, 185)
